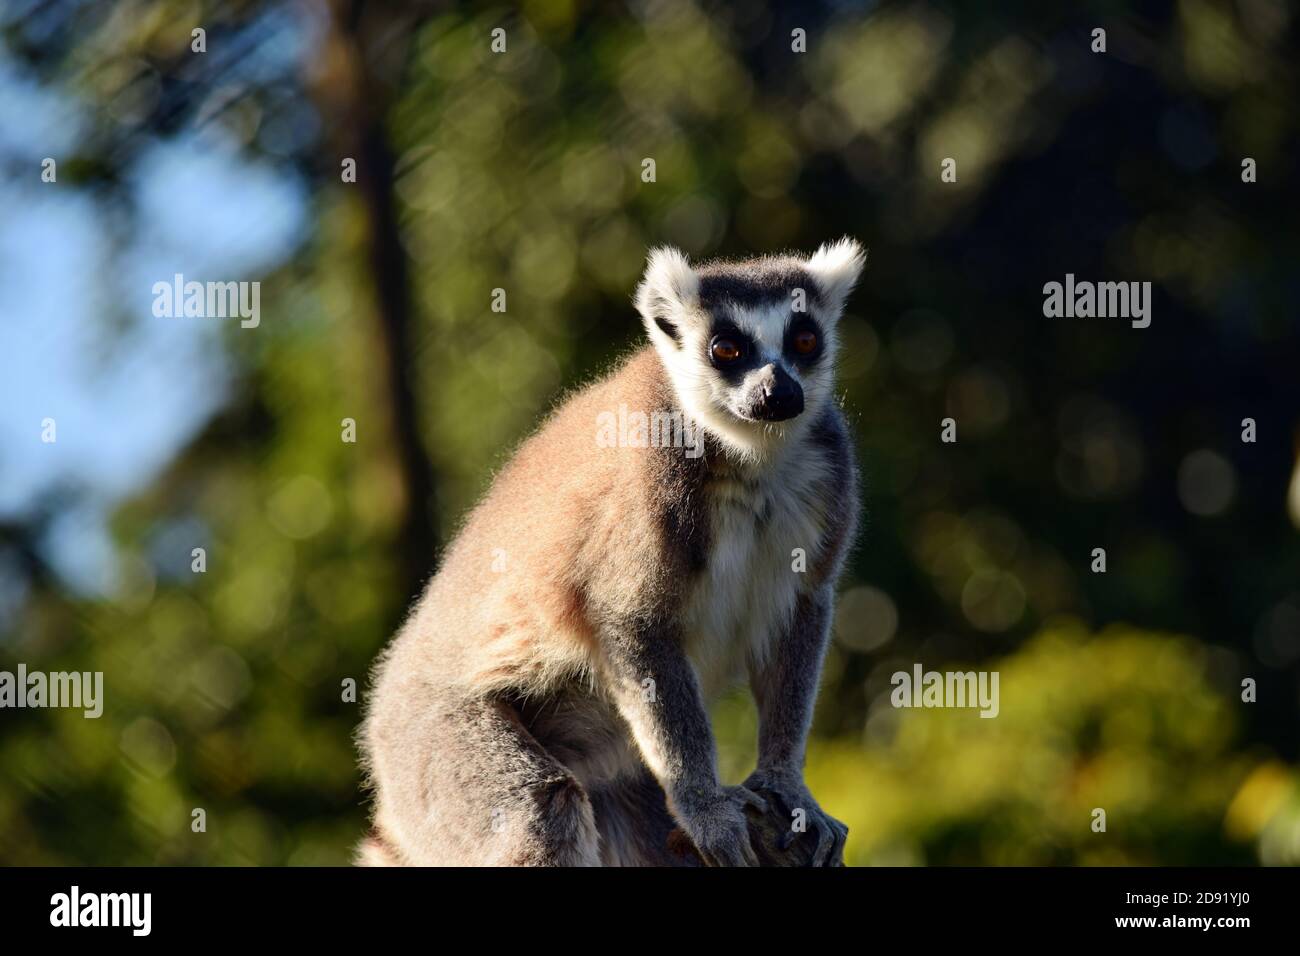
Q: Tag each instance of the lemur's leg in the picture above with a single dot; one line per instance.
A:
(785, 690)
(653, 685)
(634, 823)
(465, 783)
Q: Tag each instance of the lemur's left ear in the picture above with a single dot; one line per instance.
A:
(836, 267)
(669, 288)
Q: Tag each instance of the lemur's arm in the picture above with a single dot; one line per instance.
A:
(655, 689)
(785, 689)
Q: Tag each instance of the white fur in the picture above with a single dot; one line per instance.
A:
(746, 598)
(671, 284)
(668, 278)
(837, 266)
(704, 394)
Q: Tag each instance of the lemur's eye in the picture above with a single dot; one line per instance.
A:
(725, 349)
(805, 341)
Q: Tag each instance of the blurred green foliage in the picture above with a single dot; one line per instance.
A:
(1124, 720)
(523, 172)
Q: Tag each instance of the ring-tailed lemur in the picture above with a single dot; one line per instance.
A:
(545, 703)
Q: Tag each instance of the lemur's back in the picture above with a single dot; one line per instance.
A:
(561, 540)
(561, 536)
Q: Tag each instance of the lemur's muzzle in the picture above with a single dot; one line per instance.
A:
(776, 397)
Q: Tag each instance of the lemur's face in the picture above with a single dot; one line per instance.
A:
(750, 346)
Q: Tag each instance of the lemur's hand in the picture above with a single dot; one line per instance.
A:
(717, 825)
(787, 793)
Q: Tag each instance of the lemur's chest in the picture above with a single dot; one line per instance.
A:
(763, 536)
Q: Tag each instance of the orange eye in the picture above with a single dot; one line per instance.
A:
(805, 342)
(726, 350)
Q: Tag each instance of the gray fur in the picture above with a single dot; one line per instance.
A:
(752, 283)
(549, 707)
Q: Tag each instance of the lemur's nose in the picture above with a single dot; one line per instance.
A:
(778, 396)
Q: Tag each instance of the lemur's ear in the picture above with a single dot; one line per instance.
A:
(836, 267)
(669, 288)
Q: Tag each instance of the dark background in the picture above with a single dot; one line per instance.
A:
(522, 171)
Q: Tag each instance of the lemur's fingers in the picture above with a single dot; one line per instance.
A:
(825, 841)
(752, 799)
(841, 836)
(737, 854)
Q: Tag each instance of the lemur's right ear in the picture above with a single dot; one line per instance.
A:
(836, 267)
(670, 288)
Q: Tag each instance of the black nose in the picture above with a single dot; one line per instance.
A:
(777, 396)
